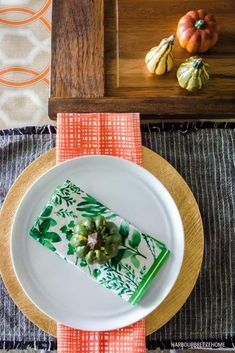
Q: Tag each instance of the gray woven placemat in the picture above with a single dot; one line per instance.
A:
(205, 158)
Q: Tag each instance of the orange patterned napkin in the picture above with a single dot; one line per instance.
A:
(109, 134)
(130, 339)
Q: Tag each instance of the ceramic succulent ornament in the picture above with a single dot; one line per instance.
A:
(159, 59)
(96, 240)
(193, 74)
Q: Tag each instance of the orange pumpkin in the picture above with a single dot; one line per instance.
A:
(197, 31)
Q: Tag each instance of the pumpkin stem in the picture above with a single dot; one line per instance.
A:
(93, 240)
(198, 63)
(200, 24)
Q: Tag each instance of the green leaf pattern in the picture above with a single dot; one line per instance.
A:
(90, 207)
(54, 228)
(40, 231)
(65, 213)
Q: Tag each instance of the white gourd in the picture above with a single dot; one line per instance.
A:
(159, 60)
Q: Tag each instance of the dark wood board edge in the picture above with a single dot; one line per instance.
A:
(215, 108)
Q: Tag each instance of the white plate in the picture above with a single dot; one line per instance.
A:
(62, 291)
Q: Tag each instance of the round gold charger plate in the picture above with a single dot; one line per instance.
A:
(194, 240)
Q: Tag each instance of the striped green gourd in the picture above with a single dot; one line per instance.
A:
(192, 74)
(159, 60)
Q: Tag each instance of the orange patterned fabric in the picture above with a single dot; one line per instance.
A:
(109, 134)
(25, 33)
(33, 16)
(130, 339)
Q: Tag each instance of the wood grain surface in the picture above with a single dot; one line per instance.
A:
(177, 109)
(193, 229)
(141, 26)
(77, 65)
(129, 29)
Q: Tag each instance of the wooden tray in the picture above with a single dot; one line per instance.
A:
(194, 240)
(98, 51)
